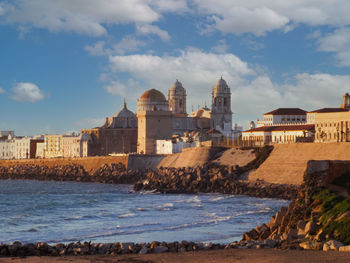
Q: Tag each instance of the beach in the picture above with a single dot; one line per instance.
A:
(222, 256)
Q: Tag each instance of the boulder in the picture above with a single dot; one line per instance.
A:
(311, 228)
(344, 248)
(160, 249)
(143, 250)
(332, 245)
(251, 235)
(311, 245)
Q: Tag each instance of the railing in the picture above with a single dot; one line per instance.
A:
(232, 143)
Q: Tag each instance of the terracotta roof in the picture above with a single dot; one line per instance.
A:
(326, 110)
(153, 95)
(287, 111)
(283, 128)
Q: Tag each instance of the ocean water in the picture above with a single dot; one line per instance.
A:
(33, 211)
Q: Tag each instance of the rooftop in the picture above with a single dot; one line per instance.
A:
(327, 110)
(287, 111)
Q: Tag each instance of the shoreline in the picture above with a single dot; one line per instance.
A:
(222, 256)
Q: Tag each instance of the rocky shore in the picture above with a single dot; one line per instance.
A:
(112, 174)
(211, 179)
(17, 249)
(318, 219)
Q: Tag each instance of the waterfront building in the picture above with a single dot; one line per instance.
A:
(117, 135)
(332, 124)
(283, 116)
(22, 147)
(53, 146)
(282, 125)
(75, 145)
(279, 134)
(7, 149)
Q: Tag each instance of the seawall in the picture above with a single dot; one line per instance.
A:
(287, 163)
(90, 164)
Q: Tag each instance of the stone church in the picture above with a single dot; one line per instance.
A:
(159, 118)
(117, 135)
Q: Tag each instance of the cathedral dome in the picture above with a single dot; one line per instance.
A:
(153, 95)
(124, 113)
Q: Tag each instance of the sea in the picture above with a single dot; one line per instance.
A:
(46, 211)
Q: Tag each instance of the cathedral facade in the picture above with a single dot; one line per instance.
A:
(117, 135)
(160, 119)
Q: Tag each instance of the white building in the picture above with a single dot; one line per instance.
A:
(280, 134)
(7, 149)
(283, 116)
(22, 147)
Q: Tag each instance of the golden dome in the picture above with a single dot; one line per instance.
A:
(153, 95)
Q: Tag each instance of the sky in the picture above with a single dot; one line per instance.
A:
(67, 64)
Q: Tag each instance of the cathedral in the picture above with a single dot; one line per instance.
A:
(160, 119)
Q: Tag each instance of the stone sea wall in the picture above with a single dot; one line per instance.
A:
(113, 173)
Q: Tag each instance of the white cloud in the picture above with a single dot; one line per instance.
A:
(339, 43)
(1, 90)
(126, 45)
(26, 92)
(79, 16)
(97, 49)
(197, 70)
(221, 47)
(261, 16)
(151, 29)
(116, 88)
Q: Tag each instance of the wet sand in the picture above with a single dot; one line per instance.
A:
(222, 256)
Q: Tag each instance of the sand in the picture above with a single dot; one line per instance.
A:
(222, 256)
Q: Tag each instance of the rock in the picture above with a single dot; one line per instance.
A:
(160, 249)
(251, 235)
(143, 250)
(332, 245)
(80, 251)
(313, 245)
(301, 228)
(271, 243)
(311, 228)
(344, 249)
(344, 215)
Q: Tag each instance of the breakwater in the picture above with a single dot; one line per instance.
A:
(208, 179)
(112, 174)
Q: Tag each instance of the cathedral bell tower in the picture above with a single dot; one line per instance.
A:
(221, 113)
(177, 99)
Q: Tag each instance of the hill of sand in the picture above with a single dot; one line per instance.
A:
(287, 162)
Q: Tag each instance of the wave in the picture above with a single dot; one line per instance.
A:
(127, 215)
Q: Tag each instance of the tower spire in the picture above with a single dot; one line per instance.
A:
(124, 104)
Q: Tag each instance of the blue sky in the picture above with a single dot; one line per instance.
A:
(66, 65)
